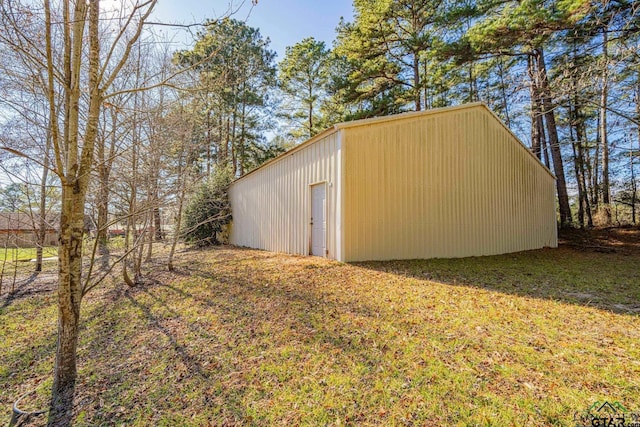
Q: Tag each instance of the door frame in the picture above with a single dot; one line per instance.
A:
(326, 218)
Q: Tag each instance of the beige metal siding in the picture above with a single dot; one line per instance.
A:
(271, 206)
(453, 183)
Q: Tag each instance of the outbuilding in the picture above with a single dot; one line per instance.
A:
(20, 230)
(443, 183)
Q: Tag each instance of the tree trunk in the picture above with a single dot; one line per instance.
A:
(243, 142)
(634, 188)
(503, 93)
(105, 163)
(554, 143)
(227, 144)
(131, 229)
(42, 226)
(178, 218)
(209, 141)
(579, 147)
(157, 223)
(181, 190)
(606, 190)
(144, 240)
(536, 114)
(416, 81)
(74, 187)
(634, 185)
(472, 83)
(234, 154)
(581, 135)
(103, 211)
(69, 298)
(544, 144)
(222, 150)
(428, 102)
(310, 109)
(576, 162)
(74, 113)
(594, 168)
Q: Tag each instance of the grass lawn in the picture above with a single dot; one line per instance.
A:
(26, 254)
(250, 337)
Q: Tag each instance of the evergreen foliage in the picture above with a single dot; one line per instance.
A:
(232, 94)
(208, 210)
(562, 74)
(303, 79)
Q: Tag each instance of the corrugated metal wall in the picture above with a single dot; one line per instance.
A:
(271, 206)
(449, 184)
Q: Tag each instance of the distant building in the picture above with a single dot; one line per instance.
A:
(21, 230)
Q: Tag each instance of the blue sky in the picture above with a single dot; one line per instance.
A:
(285, 22)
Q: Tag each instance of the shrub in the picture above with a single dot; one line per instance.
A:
(208, 210)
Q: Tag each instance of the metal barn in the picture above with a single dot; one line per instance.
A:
(449, 182)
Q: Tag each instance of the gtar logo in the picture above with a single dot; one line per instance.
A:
(605, 414)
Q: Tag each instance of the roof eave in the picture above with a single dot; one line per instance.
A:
(291, 151)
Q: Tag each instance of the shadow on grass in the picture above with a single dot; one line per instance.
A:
(150, 355)
(609, 281)
(597, 268)
(23, 288)
(230, 350)
(156, 322)
(262, 309)
(248, 326)
(296, 302)
(116, 349)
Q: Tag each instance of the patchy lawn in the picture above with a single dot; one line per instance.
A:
(248, 337)
(25, 254)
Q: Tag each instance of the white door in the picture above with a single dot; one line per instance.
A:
(318, 220)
